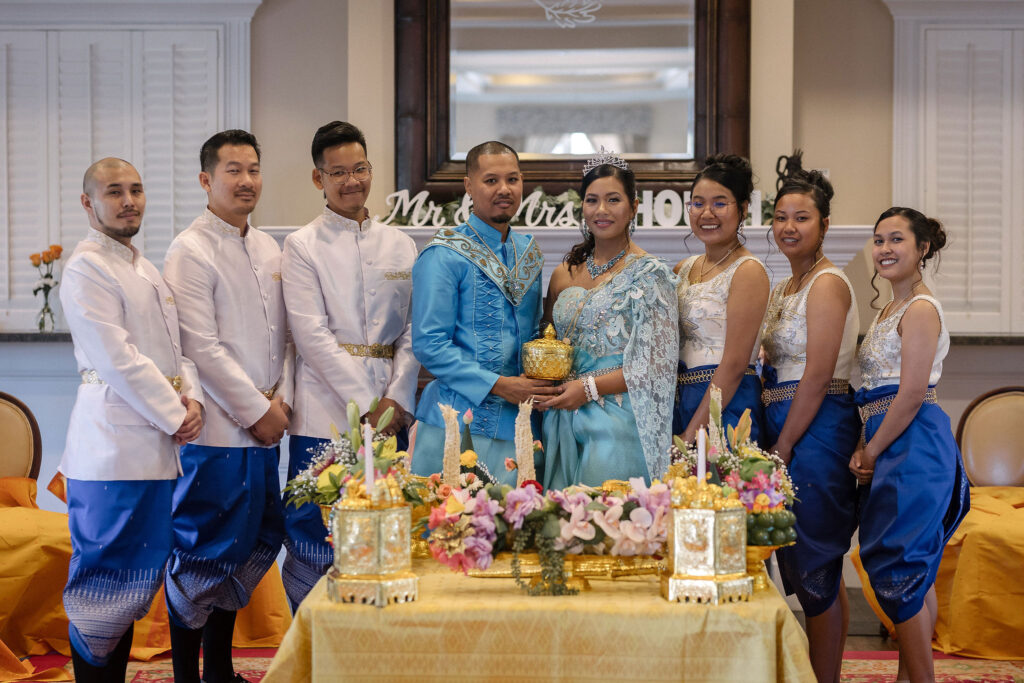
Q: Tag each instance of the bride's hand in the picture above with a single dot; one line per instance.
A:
(570, 397)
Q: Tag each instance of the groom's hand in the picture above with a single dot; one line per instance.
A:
(519, 389)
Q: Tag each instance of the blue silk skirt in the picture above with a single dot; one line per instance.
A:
(308, 555)
(826, 505)
(594, 443)
(228, 527)
(120, 539)
(748, 395)
(917, 497)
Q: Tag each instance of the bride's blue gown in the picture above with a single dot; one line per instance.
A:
(630, 323)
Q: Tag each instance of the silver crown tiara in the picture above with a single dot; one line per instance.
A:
(604, 156)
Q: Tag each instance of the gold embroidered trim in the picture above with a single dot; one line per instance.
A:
(705, 375)
(836, 387)
(398, 275)
(276, 277)
(369, 350)
(269, 393)
(881, 406)
(92, 377)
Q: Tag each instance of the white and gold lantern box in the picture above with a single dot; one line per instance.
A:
(707, 556)
(372, 559)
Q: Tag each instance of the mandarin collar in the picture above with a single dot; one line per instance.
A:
(491, 236)
(339, 221)
(222, 226)
(125, 253)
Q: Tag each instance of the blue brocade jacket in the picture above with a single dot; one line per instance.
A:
(475, 301)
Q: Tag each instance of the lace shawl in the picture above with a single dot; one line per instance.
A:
(649, 359)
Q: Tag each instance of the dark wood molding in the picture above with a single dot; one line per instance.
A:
(422, 161)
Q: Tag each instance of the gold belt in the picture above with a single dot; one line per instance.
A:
(881, 406)
(592, 373)
(705, 375)
(836, 387)
(369, 350)
(92, 377)
(269, 393)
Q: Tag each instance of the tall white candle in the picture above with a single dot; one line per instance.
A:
(368, 468)
(702, 456)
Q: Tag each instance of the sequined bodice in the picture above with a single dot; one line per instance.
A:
(880, 353)
(784, 335)
(702, 308)
(604, 323)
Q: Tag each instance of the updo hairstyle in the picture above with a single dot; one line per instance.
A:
(813, 184)
(732, 171)
(579, 253)
(925, 229)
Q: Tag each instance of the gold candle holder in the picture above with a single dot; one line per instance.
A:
(707, 557)
(372, 559)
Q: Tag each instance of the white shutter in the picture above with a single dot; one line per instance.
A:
(93, 116)
(968, 153)
(177, 78)
(24, 227)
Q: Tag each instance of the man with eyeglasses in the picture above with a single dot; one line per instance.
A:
(347, 284)
(228, 518)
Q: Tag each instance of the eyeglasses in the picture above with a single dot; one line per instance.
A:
(359, 173)
(699, 206)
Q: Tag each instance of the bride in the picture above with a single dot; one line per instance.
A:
(616, 305)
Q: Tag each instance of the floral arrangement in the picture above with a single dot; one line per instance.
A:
(760, 479)
(44, 263)
(471, 525)
(338, 465)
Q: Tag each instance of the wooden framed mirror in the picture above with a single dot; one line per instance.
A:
(427, 154)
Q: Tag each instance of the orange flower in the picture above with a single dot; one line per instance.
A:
(47, 256)
(36, 260)
(56, 250)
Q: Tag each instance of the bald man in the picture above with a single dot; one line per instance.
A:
(139, 400)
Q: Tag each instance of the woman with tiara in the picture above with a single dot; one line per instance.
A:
(810, 338)
(722, 298)
(616, 305)
(918, 492)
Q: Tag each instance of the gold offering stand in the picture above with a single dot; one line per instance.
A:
(707, 543)
(372, 560)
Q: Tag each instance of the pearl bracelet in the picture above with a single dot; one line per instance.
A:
(593, 394)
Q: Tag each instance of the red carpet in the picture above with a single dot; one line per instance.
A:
(251, 663)
(881, 666)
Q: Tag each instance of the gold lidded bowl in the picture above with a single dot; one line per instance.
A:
(547, 357)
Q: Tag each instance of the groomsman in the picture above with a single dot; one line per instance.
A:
(139, 400)
(228, 518)
(347, 286)
(476, 300)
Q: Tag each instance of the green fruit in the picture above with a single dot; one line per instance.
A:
(765, 520)
(790, 534)
(750, 521)
(759, 536)
(784, 518)
(779, 537)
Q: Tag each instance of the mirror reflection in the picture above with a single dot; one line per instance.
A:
(557, 77)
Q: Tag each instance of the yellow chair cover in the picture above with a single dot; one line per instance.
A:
(979, 589)
(35, 549)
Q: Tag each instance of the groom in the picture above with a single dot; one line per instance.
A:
(476, 298)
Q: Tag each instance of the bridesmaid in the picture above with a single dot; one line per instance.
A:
(810, 338)
(917, 492)
(722, 298)
(616, 304)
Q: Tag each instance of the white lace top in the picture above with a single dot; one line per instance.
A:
(880, 353)
(702, 307)
(784, 335)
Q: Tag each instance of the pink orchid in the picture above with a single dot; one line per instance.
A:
(574, 530)
(510, 464)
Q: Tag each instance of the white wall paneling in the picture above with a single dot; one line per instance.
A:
(958, 149)
(145, 81)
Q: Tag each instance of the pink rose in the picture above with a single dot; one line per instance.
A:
(510, 464)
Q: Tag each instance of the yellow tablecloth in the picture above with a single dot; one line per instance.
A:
(486, 629)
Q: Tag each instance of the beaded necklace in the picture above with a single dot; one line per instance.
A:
(597, 271)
